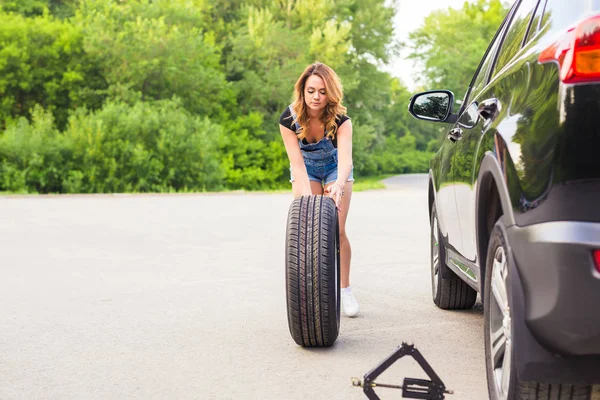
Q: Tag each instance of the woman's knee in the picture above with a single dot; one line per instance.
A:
(343, 235)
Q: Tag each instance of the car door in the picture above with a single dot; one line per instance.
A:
(462, 135)
(486, 110)
(445, 199)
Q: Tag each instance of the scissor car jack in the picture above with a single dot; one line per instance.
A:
(433, 389)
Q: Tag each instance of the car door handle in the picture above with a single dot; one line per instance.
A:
(455, 134)
(489, 109)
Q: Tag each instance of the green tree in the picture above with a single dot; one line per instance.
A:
(25, 7)
(42, 61)
(58, 8)
(154, 50)
(450, 44)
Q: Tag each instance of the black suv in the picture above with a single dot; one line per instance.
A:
(514, 200)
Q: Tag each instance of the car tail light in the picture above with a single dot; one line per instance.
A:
(577, 52)
(597, 259)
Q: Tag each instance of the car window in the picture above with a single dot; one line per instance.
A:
(481, 79)
(536, 22)
(560, 15)
(515, 34)
(470, 117)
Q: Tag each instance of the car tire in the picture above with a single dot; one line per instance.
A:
(312, 271)
(448, 290)
(503, 383)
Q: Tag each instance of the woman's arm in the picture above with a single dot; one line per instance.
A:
(292, 148)
(344, 142)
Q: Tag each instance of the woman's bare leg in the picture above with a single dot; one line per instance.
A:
(316, 187)
(345, 249)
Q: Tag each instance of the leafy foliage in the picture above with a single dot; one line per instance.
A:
(185, 95)
(141, 148)
(42, 61)
(452, 42)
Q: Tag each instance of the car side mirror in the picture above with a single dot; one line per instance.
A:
(434, 105)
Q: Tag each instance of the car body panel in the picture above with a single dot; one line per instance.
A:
(445, 198)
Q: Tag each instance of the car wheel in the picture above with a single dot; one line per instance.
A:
(313, 271)
(448, 290)
(503, 383)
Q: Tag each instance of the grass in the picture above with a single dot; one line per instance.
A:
(361, 184)
(369, 183)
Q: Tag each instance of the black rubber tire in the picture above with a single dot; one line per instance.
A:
(519, 390)
(312, 271)
(452, 292)
(541, 391)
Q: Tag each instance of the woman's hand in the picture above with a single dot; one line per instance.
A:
(336, 191)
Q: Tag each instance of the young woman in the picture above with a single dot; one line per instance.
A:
(317, 135)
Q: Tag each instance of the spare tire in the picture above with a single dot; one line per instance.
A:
(312, 271)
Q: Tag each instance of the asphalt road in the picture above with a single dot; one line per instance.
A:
(183, 297)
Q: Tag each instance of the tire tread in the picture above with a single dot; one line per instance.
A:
(543, 391)
(312, 271)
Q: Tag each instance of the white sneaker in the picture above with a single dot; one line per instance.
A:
(349, 304)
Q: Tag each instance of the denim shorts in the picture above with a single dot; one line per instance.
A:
(324, 174)
(321, 160)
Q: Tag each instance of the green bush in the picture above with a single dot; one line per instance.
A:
(400, 156)
(33, 156)
(254, 159)
(147, 147)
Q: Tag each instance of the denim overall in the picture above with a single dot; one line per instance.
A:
(321, 159)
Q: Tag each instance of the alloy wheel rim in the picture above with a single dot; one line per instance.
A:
(435, 257)
(500, 325)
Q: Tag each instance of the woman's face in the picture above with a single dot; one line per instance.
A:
(315, 95)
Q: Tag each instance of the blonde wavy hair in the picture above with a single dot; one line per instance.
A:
(335, 95)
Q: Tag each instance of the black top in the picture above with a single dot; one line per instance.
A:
(286, 120)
